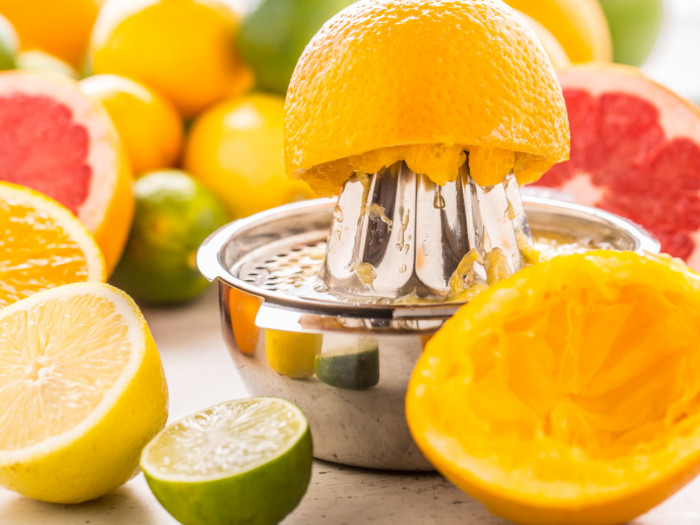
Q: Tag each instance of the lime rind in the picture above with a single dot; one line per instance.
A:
(259, 492)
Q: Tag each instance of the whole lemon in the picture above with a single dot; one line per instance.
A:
(235, 148)
(183, 49)
(174, 214)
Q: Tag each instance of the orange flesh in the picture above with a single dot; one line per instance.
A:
(38, 253)
(570, 388)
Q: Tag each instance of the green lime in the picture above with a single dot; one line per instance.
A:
(292, 354)
(246, 461)
(174, 214)
(274, 33)
(348, 361)
(634, 28)
(41, 61)
(9, 43)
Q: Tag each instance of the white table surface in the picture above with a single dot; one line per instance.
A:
(200, 373)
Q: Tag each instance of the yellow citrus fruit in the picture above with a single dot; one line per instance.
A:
(184, 49)
(579, 25)
(149, 125)
(422, 82)
(61, 28)
(56, 139)
(292, 354)
(83, 391)
(552, 46)
(45, 245)
(569, 392)
(235, 148)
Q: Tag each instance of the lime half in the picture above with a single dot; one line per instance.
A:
(243, 461)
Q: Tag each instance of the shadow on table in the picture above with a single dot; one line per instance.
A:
(121, 506)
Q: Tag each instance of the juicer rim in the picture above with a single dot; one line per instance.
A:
(212, 267)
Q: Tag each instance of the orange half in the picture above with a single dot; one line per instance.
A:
(44, 245)
(568, 393)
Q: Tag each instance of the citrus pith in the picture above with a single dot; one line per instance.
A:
(82, 392)
(567, 393)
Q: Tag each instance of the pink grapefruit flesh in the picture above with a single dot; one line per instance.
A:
(60, 142)
(635, 151)
(42, 147)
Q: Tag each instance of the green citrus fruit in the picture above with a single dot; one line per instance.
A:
(274, 33)
(246, 461)
(174, 214)
(292, 354)
(8, 44)
(348, 361)
(634, 27)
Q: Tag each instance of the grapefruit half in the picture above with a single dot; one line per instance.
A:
(57, 140)
(635, 151)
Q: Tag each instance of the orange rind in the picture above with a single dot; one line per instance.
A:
(423, 82)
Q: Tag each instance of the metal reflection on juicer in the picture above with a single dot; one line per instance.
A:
(397, 235)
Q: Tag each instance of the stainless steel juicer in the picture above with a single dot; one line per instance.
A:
(362, 347)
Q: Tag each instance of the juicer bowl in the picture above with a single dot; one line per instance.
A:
(346, 363)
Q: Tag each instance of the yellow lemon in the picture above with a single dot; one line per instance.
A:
(148, 124)
(83, 391)
(235, 148)
(182, 48)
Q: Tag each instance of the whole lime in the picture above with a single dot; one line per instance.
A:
(174, 214)
(8, 44)
(634, 27)
(274, 33)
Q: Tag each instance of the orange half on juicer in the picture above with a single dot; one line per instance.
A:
(425, 115)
